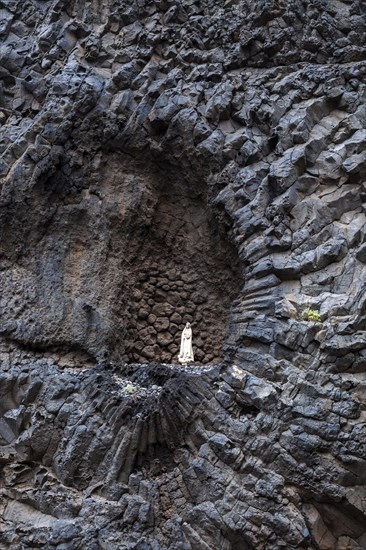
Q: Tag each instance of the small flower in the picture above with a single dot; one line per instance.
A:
(310, 314)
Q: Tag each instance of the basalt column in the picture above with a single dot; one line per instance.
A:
(184, 269)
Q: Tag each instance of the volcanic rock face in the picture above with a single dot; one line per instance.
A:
(169, 161)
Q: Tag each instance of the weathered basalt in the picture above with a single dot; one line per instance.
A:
(164, 162)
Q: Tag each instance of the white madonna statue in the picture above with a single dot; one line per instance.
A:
(186, 352)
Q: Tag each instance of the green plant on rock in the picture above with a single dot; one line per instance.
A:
(130, 388)
(310, 314)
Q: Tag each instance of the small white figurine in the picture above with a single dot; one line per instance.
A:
(186, 352)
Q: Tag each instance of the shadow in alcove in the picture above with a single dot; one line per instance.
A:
(184, 269)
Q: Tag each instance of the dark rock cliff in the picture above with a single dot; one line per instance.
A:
(161, 162)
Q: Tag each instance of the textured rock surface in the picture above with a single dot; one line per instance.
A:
(163, 162)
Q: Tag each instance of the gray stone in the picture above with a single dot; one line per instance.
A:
(361, 254)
